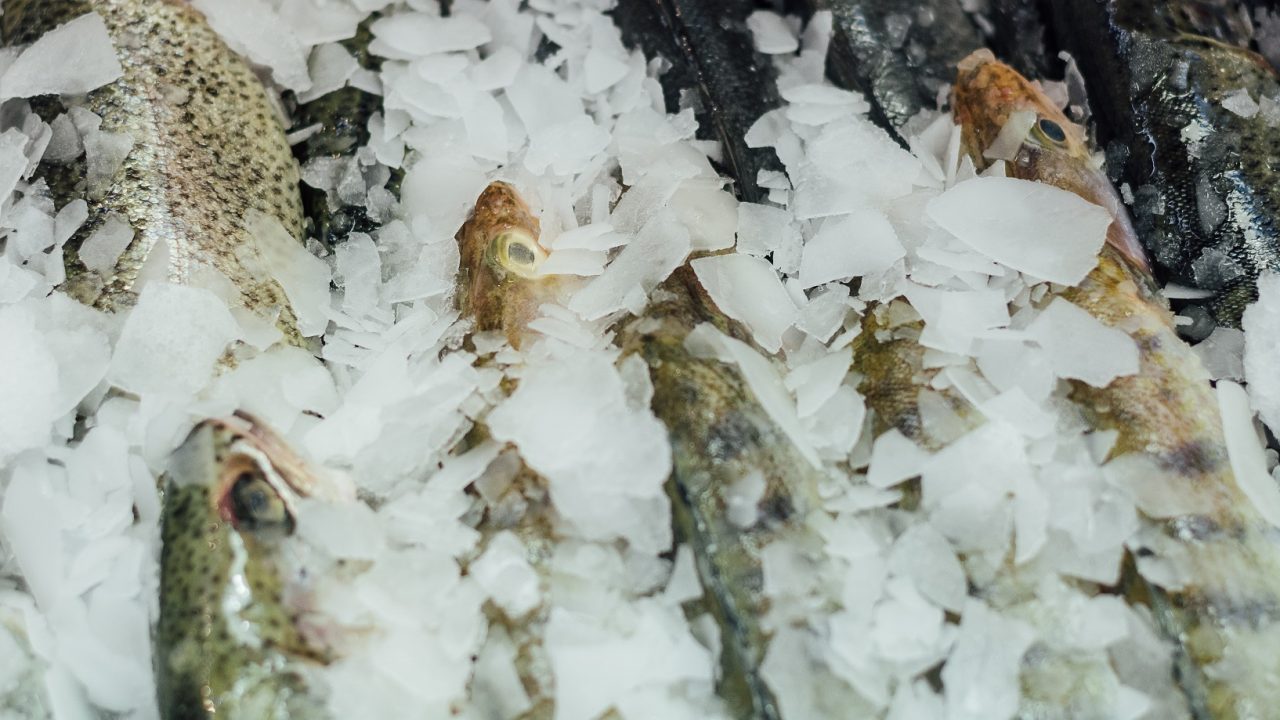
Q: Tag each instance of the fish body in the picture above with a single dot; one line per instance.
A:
(718, 430)
(228, 642)
(1225, 619)
(1204, 178)
(901, 55)
(342, 117)
(720, 434)
(712, 53)
(207, 150)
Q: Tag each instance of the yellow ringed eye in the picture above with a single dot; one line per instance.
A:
(519, 253)
(1050, 132)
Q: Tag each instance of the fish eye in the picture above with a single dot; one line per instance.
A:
(1051, 131)
(254, 504)
(518, 252)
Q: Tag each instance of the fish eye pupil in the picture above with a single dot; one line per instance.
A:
(253, 504)
(1052, 130)
(520, 253)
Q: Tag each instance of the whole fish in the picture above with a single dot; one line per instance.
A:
(712, 53)
(901, 55)
(228, 643)
(718, 430)
(1228, 611)
(207, 151)
(1203, 177)
(341, 122)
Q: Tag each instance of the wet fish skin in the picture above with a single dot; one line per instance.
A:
(899, 54)
(227, 642)
(1229, 608)
(719, 434)
(712, 51)
(1204, 178)
(343, 116)
(207, 150)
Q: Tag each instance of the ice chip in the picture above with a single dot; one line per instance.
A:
(303, 276)
(504, 572)
(860, 243)
(748, 290)
(1080, 347)
(981, 678)
(102, 249)
(254, 29)
(773, 36)
(1035, 228)
(171, 340)
(71, 59)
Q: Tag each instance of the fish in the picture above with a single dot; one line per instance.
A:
(711, 52)
(901, 56)
(228, 642)
(1203, 179)
(1166, 414)
(719, 433)
(208, 150)
(341, 127)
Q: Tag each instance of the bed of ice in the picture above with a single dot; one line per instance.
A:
(91, 404)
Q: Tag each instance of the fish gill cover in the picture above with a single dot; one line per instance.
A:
(955, 547)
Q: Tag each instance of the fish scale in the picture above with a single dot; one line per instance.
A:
(1206, 198)
(208, 150)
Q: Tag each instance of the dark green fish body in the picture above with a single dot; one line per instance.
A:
(227, 643)
(719, 435)
(1204, 179)
(712, 53)
(342, 117)
(901, 55)
(208, 151)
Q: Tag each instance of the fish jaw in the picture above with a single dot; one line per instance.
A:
(500, 285)
(986, 95)
(227, 641)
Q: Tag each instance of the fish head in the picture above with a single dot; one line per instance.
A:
(229, 639)
(991, 100)
(501, 285)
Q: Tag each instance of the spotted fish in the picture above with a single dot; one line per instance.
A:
(208, 151)
(228, 642)
(1224, 620)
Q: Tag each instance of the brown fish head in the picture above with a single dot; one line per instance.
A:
(991, 100)
(500, 285)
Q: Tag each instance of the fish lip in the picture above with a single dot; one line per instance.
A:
(302, 479)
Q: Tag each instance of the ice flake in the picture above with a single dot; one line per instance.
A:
(748, 290)
(894, 458)
(743, 499)
(763, 229)
(100, 251)
(304, 277)
(981, 675)
(605, 462)
(1035, 228)
(772, 34)
(505, 573)
(955, 319)
(254, 29)
(1079, 346)
(417, 34)
(924, 556)
(1248, 464)
(860, 243)
(659, 248)
(71, 59)
(171, 340)
(814, 383)
(1261, 323)
(708, 211)
(1241, 103)
(330, 66)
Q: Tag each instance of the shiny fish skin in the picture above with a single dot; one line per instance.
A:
(1225, 620)
(899, 54)
(719, 434)
(227, 644)
(712, 52)
(343, 116)
(1153, 70)
(207, 150)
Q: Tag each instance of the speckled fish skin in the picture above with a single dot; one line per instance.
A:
(208, 149)
(227, 643)
(1212, 188)
(343, 116)
(712, 53)
(899, 54)
(719, 434)
(1225, 620)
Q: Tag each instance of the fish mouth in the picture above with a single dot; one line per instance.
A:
(989, 94)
